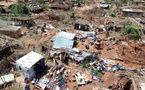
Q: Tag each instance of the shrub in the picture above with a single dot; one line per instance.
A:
(113, 14)
(131, 30)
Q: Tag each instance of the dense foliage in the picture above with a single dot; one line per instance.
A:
(40, 1)
(19, 9)
(131, 30)
(113, 14)
(79, 2)
(4, 18)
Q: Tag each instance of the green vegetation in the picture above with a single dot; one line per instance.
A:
(84, 64)
(47, 8)
(124, 1)
(113, 14)
(4, 18)
(132, 30)
(108, 1)
(40, 1)
(79, 2)
(19, 8)
(72, 15)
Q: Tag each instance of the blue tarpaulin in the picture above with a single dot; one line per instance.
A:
(85, 54)
(63, 42)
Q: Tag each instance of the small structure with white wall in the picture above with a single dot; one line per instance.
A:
(30, 65)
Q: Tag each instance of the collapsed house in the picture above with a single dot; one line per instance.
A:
(31, 65)
(78, 55)
(53, 16)
(132, 12)
(5, 47)
(59, 7)
(5, 51)
(25, 21)
(8, 28)
(2, 10)
(139, 2)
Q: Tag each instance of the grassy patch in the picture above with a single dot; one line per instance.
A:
(4, 18)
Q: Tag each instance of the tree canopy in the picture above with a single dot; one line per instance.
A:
(19, 9)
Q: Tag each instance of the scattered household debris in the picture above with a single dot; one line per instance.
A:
(74, 45)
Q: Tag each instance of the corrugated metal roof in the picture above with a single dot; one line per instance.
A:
(66, 35)
(64, 40)
(29, 59)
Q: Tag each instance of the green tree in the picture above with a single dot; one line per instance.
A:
(132, 30)
(113, 14)
(79, 2)
(19, 9)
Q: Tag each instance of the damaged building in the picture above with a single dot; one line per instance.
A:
(5, 47)
(133, 12)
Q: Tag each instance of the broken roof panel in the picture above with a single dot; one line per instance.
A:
(6, 79)
(29, 59)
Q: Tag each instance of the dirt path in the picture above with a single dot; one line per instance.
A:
(6, 4)
(81, 10)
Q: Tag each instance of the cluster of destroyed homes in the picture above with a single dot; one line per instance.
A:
(82, 47)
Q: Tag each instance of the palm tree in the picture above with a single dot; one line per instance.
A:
(19, 8)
